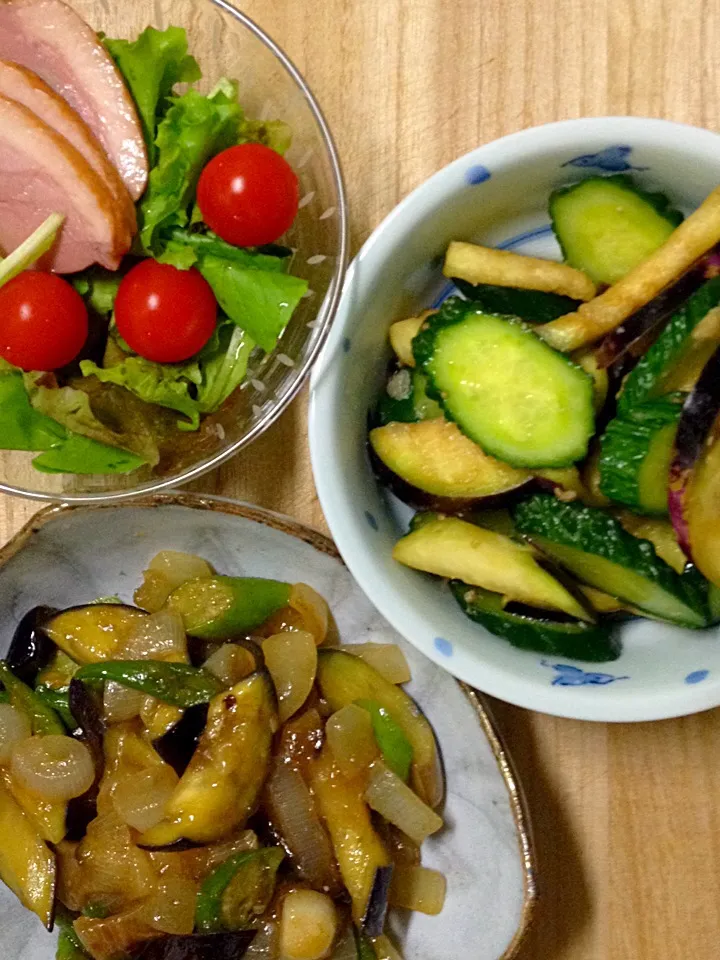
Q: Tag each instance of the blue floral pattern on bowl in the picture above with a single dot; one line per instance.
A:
(568, 675)
(614, 159)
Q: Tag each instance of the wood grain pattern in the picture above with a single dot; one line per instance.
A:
(627, 818)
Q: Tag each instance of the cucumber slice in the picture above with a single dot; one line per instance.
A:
(433, 456)
(678, 355)
(635, 456)
(594, 547)
(531, 631)
(534, 306)
(405, 399)
(452, 548)
(507, 390)
(607, 225)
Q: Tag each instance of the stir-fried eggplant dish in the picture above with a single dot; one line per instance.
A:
(556, 425)
(207, 774)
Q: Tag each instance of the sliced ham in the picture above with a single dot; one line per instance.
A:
(20, 84)
(49, 38)
(42, 173)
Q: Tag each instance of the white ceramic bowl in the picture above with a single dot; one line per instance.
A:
(497, 194)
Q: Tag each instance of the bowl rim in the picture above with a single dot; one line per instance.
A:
(502, 682)
(323, 321)
(489, 726)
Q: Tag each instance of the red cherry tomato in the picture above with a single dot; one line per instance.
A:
(248, 195)
(163, 313)
(43, 321)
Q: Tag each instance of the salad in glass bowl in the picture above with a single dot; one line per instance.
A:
(148, 275)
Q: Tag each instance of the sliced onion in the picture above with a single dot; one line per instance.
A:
(113, 870)
(230, 663)
(301, 739)
(54, 768)
(403, 851)
(385, 949)
(158, 637)
(387, 658)
(265, 942)
(153, 592)
(121, 703)
(291, 810)
(14, 727)
(200, 861)
(159, 717)
(180, 567)
(308, 925)
(171, 908)
(351, 739)
(140, 799)
(291, 659)
(391, 798)
(418, 888)
(114, 936)
(312, 608)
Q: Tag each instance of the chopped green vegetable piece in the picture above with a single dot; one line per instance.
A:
(395, 747)
(96, 910)
(98, 287)
(365, 949)
(608, 225)
(4, 696)
(238, 891)
(261, 302)
(217, 608)
(224, 367)
(57, 700)
(152, 65)
(530, 629)
(649, 377)
(81, 455)
(22, 427)
(594, 547)
(194, 129)
(202, 244)
(275, 134)
(175, 683)
(164, 384)
(43, 718)
(69, 946)
(405, 399)
(30, 250)
(533, 306)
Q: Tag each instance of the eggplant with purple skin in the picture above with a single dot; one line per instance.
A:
(694, 499)
(216, 946)
(31, 649)
(87, 709)
(178, 745)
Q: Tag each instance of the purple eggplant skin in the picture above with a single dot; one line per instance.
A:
(374, 920)
(699, 413)
(31, 649)
(632, 335)
(214, 946)
(177, 746)
(87, 709)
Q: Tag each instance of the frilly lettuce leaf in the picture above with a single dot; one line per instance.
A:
(98, 287)
(80, 455)
(22, 427)
(152, 65)
(223, 367)
(195, 128)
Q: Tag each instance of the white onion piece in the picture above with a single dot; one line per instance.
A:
(54, 767)
(312, 608)
(385, 949)
(179, 567)
(171, 907)
(308, 925)
(291, 659)
(140, 799)
(391, 798)
(418, 888)
(230, 663)
(161, 636)
(14, 727)
(351, 739)
(153, 592)
(265, 942)
(387, 658)
(121, 703)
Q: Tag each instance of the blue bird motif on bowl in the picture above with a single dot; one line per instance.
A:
(612, 160)
(571, 676)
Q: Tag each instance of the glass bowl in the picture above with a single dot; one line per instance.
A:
(228, 43)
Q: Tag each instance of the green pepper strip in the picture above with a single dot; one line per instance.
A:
(175, 683)
(69, 946)
(4, 696)
(395, 747)
(365, 949)
(58, 701)
(43, 718)
(260, 866)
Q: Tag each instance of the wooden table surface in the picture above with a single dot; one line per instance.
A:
(627, 817)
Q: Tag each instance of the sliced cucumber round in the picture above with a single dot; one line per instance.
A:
(520, 400)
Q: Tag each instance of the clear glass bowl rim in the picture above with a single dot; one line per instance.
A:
(324, 319)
